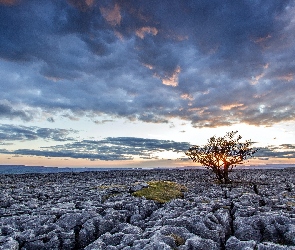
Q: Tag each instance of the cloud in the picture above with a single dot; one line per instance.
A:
(146, 30)
(9, 2)
(82, 5)
(23, 133)
(103, 121)
(111, 14)
(173, 79)
(111, 148)
(263, 158)
(7, 111)
(281, 151)
(50, 119)
(209, 63)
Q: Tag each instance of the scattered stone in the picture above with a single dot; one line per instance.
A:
(234, 244)
(8, 243)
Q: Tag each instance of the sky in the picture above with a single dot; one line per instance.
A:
(116, 83)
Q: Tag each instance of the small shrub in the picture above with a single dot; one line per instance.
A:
(161, 191)
(178, 239)
(222, 154)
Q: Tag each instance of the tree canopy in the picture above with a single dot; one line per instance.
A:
(222, 154)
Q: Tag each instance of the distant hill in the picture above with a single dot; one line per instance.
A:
(23, 169)
(266, 166)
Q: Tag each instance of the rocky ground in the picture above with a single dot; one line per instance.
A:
(96, 210)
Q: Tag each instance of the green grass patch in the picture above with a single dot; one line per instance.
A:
(161, 191)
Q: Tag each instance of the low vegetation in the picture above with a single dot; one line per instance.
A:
(161, 191)
(178, 239)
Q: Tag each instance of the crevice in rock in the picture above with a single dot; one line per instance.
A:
(231, 212)
(77, 230)
(255, 188)
(222, 244)
(231, 221)
(21, 243)
(262, 203)
(288, 187)
(128, 219)
(225, 194)
(45, 239)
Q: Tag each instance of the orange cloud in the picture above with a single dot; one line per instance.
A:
(89, 2)
(119, 35)
(112, 15)
(287, 78)
(256, 79)
(146, 30)
(173, 79)
(187, 96)
(9, 2)
(230, 106)
(262, 39)
(82, 5)
(196, 109)
(148, 66)
(181, 38)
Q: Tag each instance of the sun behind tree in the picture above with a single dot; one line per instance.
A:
(222, 154)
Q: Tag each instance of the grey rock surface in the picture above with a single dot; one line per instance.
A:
(96, 210)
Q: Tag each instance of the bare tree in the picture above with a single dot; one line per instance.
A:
(222, 154)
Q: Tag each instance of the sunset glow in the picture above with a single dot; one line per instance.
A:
(136, 83)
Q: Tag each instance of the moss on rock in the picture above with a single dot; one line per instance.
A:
(161, 191)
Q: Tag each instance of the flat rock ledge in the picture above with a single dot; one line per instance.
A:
(96, 210)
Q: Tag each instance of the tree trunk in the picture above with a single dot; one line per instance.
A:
(225, 176)
(220, 176)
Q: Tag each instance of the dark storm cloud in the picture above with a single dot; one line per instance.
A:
(209, 62)
(281, 151)
(23, 133)
(147, 144)
(111, 148)
(7, 111)
(72, 154)
(50, 119)
(118, 148)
